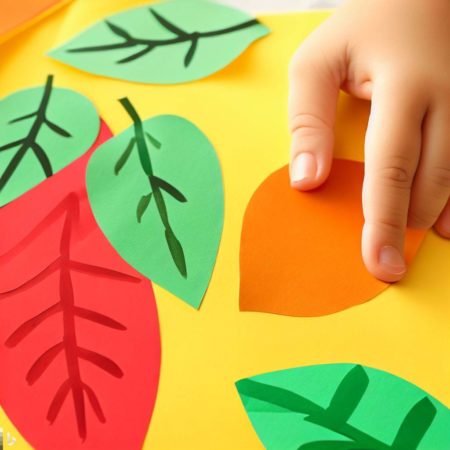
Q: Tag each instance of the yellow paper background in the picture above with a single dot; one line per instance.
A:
(406, 330)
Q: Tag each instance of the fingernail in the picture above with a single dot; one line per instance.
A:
(392, 261)
(303, 167)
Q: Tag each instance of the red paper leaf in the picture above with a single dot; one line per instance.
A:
(79, 334)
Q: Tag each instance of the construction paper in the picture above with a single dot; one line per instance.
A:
(166, 43)
(343, 407)
(156, 192)
(42, 130)
(16, 15)
(242, 110)
(71, 309)
(301, 252)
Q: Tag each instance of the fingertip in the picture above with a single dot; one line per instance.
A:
(307, 172)
(383, 257)
(303, 171)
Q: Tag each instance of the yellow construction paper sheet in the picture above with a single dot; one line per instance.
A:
(242, 109)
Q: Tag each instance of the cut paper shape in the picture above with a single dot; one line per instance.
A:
(301, 251)
(156, 192)
(71, 309)
(167, 43)
(42, 130)
(343, 407)
(16, 15)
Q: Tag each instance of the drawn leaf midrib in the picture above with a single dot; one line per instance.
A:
(326, 417)
(29, 142)
(69, 311)
(156, 185)
(181, 36)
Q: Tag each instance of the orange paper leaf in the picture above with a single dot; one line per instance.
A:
(301, 252)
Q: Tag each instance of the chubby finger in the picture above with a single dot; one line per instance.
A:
(315, 76)
(392, 151)
(431, 188)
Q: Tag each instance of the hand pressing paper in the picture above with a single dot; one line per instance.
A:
(301, 252)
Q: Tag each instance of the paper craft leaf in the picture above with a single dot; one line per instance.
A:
(42, 130)
(79, 334)
(163, 212)
(166, 43)
(301, 251)
(295, 410)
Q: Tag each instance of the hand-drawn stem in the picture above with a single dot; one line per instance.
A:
(146, 164)
(315, 413)
(67, 308)
(30, 141)
(181, 36)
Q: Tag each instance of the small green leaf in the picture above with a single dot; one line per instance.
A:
(190, 163)
(173, 191)
(143, 205)
(153, 141)
(34, 141)
(415, 425)
(191, 39)
(124, 156)
(176, 250)
(348, 394)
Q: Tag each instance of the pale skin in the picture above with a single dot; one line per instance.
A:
(395, 53)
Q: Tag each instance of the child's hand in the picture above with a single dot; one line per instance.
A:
(396, 53)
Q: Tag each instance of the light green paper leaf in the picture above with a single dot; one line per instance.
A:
(289, 410)
(186, 160)
(165, 43)
(42, 130)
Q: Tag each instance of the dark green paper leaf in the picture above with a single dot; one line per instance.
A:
(288, 410)
(171, 42)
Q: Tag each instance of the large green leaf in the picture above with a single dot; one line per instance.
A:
(163, 209)
(315, 408)
(42, 130)
(166, 43)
